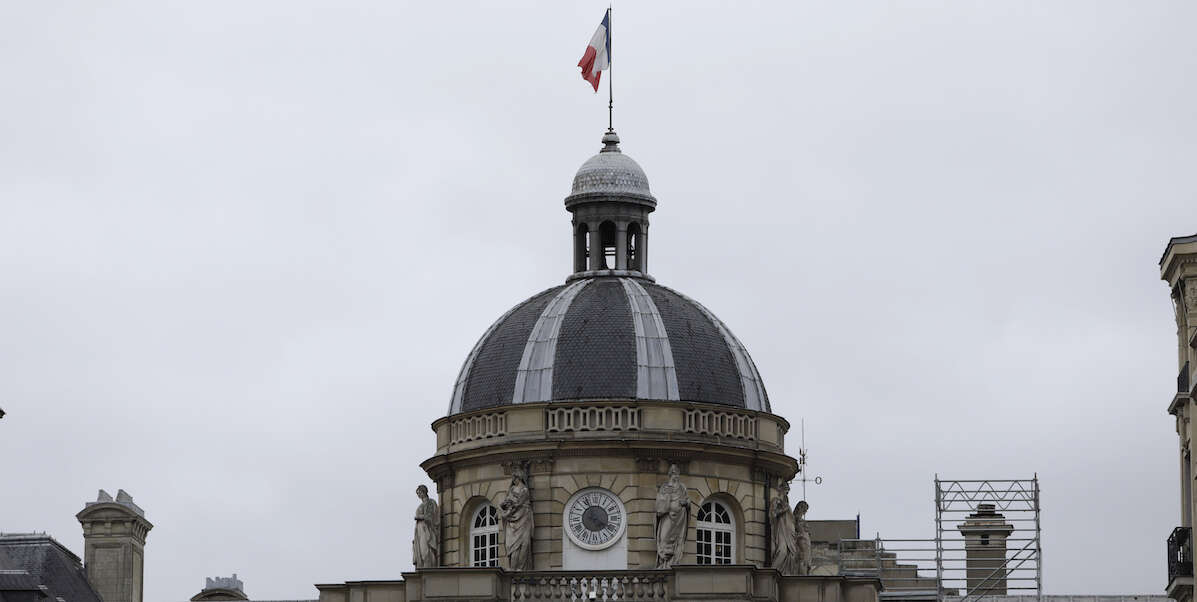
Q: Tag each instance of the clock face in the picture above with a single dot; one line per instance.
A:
(594, 518)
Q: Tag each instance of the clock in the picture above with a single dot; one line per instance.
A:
(595, 518)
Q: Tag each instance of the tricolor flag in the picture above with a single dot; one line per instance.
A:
(597, 57)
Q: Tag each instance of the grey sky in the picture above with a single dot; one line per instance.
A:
(245, 247)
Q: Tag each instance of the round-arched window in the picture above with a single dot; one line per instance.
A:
(484, 537)
(716, 534)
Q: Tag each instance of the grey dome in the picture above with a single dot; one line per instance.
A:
(608, 338)
(610, 173)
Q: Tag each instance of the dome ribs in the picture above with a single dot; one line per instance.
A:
(608, 338)
(706, 369)
(534, 381)
(491, 379)
(596, 351)
(656, 377)
(752, 387)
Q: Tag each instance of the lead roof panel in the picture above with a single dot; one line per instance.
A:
(596, 351)
(706, 370)
(492, 377)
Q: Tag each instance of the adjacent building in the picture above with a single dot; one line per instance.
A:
(1178, 267)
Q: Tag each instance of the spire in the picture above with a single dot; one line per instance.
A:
(610, 142)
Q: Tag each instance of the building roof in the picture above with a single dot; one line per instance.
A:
(17, 580)
(49, 563)
(608, 338)
(1176, 240)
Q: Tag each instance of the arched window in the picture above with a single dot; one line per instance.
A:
(607, 235)
(716, 535)
(484, 537)
(633, 244)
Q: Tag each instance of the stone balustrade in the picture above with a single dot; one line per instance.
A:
(561, 419)
(646, 420)
(478, 426)
(567, 586)
(682, 583)
(721, 423)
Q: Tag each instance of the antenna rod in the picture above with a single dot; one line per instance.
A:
(611, 72)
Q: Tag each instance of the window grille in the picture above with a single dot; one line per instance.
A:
(716, 534)
(484, 537)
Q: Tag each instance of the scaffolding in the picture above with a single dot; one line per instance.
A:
(1016, 502)
(961, 563)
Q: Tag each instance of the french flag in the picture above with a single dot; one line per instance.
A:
(597, 57)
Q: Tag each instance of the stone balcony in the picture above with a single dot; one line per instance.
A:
(685, 583)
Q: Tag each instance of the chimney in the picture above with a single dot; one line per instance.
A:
(114, 533)
(221, 589)
(985, 533)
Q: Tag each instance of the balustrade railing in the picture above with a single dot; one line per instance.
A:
(603, 586)
(591, 418)
(481, 426)
(735, 425)
(1180, 553)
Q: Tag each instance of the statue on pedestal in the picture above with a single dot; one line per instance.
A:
(673, 514)
(802, 534)
(426, 544)
(516, 512)
(785, 541)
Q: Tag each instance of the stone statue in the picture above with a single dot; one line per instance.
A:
(785, 540)
(673, 514)
(517, 521)
(426, 544)
(802, 534)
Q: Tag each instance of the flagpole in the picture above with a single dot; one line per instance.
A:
(610, 69)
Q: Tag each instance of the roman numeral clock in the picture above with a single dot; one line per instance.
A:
(595, 519)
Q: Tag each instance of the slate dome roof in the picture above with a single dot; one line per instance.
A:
(608, 337)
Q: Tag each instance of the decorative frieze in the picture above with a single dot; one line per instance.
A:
(478, 426)
(591, 418)
(721, 423)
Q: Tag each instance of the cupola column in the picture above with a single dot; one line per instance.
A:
(642, 248)
(597, 261)
(579, 234)
(621, 245)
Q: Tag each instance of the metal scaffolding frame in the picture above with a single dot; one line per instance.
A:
(1017, 500)
(938, 567)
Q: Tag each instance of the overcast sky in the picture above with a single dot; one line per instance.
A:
(245, 247)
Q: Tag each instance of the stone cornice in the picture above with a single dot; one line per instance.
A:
(666, 450)
(1176, 260)
(693, 405)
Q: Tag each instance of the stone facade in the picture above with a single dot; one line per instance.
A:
(1178, 267)
(733, 467)
(680, 584)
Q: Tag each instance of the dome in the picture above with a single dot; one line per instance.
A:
(610, 173)
(608, 338)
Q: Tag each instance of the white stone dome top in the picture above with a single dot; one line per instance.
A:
(610, 173)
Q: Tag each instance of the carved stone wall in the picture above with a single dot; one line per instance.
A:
(633, 480)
